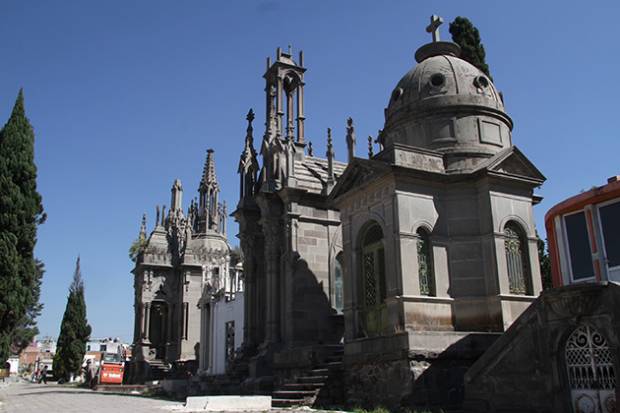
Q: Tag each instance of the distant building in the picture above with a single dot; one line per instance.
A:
(184, 256)
(584, 236)
(98, 349)
(38, 353)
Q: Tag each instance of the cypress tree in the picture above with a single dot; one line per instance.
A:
(20, 213)
(545, 263)
(26, 329)
(466, 35)
(74, 331)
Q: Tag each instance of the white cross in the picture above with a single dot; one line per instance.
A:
(433, 28)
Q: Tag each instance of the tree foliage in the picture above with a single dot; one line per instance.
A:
(467, 36)
(26, 329)
(20, 213)
(74, 331)
(545, 263)
(136, 248)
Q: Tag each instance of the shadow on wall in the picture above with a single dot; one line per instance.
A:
(312, 310)
(421, 380)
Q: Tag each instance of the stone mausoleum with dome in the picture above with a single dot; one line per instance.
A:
(439, 242)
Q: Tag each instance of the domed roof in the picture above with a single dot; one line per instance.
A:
(442, 76)
(447, 105)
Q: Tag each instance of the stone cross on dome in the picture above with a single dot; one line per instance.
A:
(433, 28)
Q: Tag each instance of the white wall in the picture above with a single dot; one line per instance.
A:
(224, 312)
(14, 362)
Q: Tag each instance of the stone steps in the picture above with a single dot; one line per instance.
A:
(287, 402)
(312, 379)
(302, 386)
(159, 370)
(304, 389)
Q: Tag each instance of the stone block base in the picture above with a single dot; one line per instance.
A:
(228, 403)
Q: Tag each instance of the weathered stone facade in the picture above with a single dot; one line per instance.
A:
(184, 256)
(289, 235)
(561, 355)
(439, 241)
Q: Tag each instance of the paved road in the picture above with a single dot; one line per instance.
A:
(51, 398)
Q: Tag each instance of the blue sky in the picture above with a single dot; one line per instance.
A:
(127, 96)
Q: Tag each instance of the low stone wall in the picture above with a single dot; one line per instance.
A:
(525, 370)
(417, 378)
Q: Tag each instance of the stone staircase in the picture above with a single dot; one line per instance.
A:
(159, 370)
(306, 388)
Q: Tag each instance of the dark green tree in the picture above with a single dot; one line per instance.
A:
(74, 331)
(26, 329)
(466, 35)
(545, 263)
(20, 213)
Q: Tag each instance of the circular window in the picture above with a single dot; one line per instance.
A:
(438, 80)
(396, 94)
(481, 81)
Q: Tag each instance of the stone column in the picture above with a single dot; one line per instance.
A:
(249, 297)
(272, 229)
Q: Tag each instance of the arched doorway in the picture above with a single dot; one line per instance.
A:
(157, 328)
(590, 370)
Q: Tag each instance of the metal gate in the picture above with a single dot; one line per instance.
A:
(591, 375)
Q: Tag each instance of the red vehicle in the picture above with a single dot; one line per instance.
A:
(111, 369)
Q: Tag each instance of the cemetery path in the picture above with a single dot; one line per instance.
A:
(22, 397)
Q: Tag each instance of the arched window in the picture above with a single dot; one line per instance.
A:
(373, 266)
(337, 285)
(516, 259)
(425, 264)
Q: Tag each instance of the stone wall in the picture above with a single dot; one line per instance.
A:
(411, 379)
(525, 370)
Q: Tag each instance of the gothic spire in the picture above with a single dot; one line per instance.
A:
(142, 235)
(208, 174)
(350, 139)
(209, 189)
(248, 156)
(248, 164)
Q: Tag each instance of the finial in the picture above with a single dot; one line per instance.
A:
(163, 215)
(330, 157)
(249, 139)
(350, 139)
(310, 152)
(433, 28)
(370, 154)
(142, 235)
(156, 215)
(290, 50)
